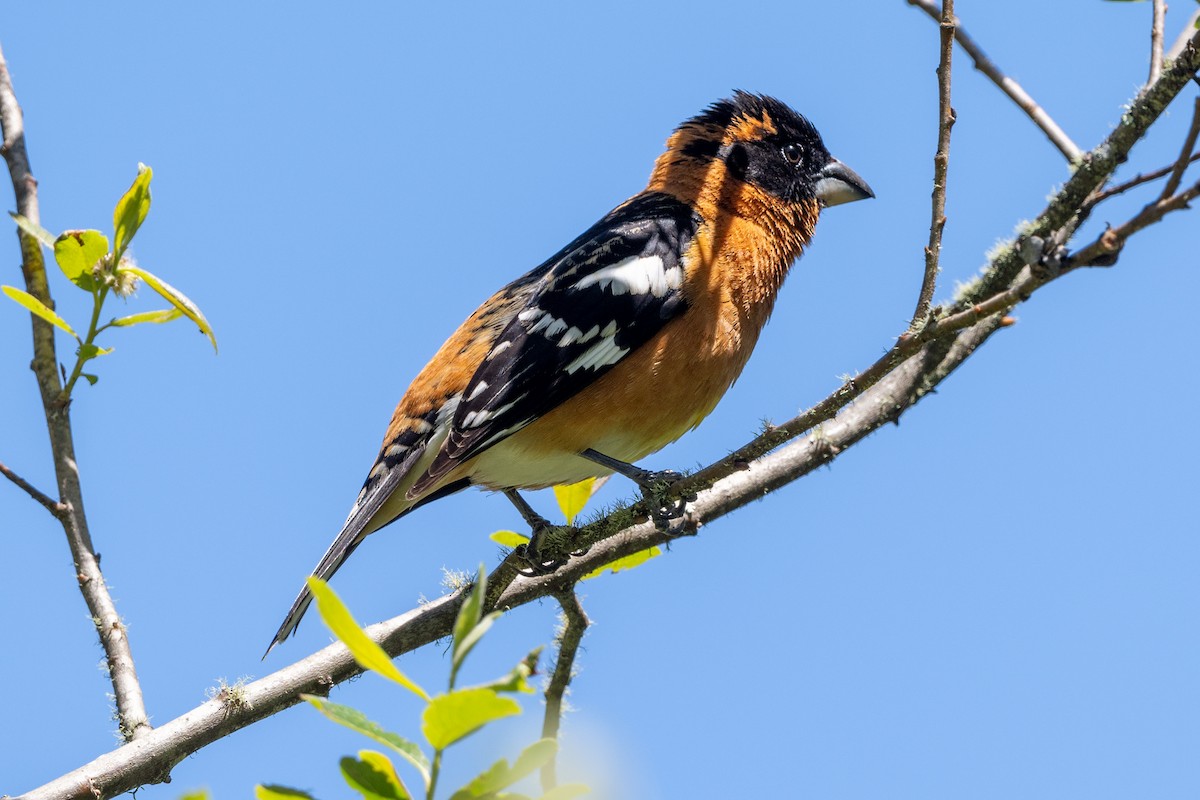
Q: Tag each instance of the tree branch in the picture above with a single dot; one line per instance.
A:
(574, 623)
(131, 709)
(1156, 40)
(150, 758)
(53, 506)
(1010, 87)
(941, 165)
(1068, 206)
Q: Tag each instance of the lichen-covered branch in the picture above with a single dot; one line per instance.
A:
(131, 709)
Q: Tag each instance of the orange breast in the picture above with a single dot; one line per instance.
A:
(665, 388)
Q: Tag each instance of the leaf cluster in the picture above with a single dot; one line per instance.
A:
(92, 265)
(446, 719)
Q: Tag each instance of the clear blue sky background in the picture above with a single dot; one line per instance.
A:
(997, 599)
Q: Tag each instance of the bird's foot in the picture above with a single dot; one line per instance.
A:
(656, 492)
(533, 552)
(656, 488)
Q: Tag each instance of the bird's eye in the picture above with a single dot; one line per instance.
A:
(793, 153)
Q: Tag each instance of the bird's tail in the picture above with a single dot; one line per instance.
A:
(360, 523)
(334, 557)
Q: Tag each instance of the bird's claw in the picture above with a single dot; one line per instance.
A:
(655, 490)
(537, 565)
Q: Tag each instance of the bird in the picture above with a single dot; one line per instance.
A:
(619, 343)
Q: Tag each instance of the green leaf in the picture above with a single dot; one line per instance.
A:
(90, 378)
(175, 298)
(355, 720)
(509, 538)
(468, 621)
(166, 315)
(373, 776)
(628, 562)
(501, 776)
(77, 253)
(567, 791)
(472, 638)
(516, 680)
(33, 229)
(198, 794)
(573, 497)
(131, 210)
(271, 791)
(365, 652)
(37, 308)
(451, 717)
(90, 351)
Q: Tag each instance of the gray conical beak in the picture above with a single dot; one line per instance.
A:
(837, 184)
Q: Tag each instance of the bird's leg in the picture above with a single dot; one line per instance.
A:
(654, 486)
(540, 526)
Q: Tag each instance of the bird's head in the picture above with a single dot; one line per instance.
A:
(764, 144)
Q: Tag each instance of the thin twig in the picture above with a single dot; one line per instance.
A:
(1185, 34)
(574, 623)
(1156, 40)
(1010, 87)
(1136, 181)
(1101, 252)
(131, 709)
(53, 506)
(1186, 155)
(941, 164)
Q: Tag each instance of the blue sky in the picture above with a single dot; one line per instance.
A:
(996, 599)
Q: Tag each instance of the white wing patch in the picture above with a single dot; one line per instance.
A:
(601, 354)
(635, 275)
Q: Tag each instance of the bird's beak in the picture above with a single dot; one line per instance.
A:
(837, 184)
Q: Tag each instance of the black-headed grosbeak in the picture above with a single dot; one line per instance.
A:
(622, 341)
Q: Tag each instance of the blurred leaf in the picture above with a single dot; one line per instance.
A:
(131, 210)
(373, 776)
(471, 639)
(90, 378)
(33, 229)
(509, 538)
(355, 720)
(365, 652)
(450, 717)
(166, 315)
(468, 622)
(77, 252)
(501, 776)
(517, 679)
(198, 794)
(628, 562)
(573, 497)
(175, 298)
(567, 791)
(89, 351)
(36, 307)
(271, 791)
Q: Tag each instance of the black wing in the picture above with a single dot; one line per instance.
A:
(599, 299)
